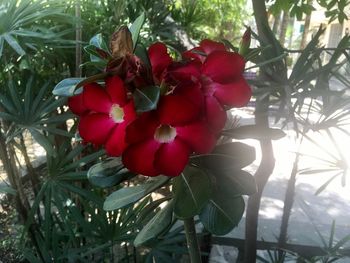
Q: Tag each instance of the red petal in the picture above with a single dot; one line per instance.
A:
(116, 142)
(171, 158)
(216, 115)
(142, 128)
(198, 136)
(191, 92)
(76, 104)
(96, 98)
(185, 72)
(159, 58)
(223, 67)
(195, 53)
(176, 110)
(235, 94)
(139, 158)
(129, 112)
(95, 127)
(209, 46)
(116, 90)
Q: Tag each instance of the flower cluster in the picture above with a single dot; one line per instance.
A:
(190, 114)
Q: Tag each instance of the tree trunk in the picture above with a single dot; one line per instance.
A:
(78, 38)
(261, 176)
(288, 205)
(267, 162)
(306, 28)
(291, 23)
(31, 171)
(284, 26)
(276, 23)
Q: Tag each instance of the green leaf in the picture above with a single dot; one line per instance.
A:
(301, 66)
(1, 45)
(192, 190)
(239, 181)
(66, 87)
(108, 173)
(129, 195)
(254, 132)
(99, 42)
(146, 99)
(227, 156)
(142, 53)
(14, 44)
(135, 28)
(42, 140)
(101, 64)
(95, 56)
(223, 211)
(156, 225)
(4, 189)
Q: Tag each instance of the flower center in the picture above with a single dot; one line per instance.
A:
(165, 133)
(116, 113)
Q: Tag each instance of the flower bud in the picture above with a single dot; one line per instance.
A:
(245, 42)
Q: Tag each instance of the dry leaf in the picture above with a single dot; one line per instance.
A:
(121, 43)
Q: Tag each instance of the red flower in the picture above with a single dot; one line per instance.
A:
(161, 141)
(220, 74)
(107, 112)
(160, 61)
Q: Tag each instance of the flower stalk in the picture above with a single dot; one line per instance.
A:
(192, 241)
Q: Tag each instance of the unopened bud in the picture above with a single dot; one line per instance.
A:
(245, 42)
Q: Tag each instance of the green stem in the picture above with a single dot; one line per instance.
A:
(192, 242)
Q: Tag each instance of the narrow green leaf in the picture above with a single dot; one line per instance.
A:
(38, 98)
(299, 68)
(192, 190)
(28, 97)
(66, 87)
(84, 193)
(8, 117)
(14, 44)
(42, 140)
(268, 61)
(7, 104)
(156, 225)
(1, 45)
(135, 28)
(129, 195)
(15, 96)
(146, 99)
(4, 189)
(324, 186)
(83, 161)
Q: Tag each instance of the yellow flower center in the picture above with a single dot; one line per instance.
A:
(165, 133)
(116, 113)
